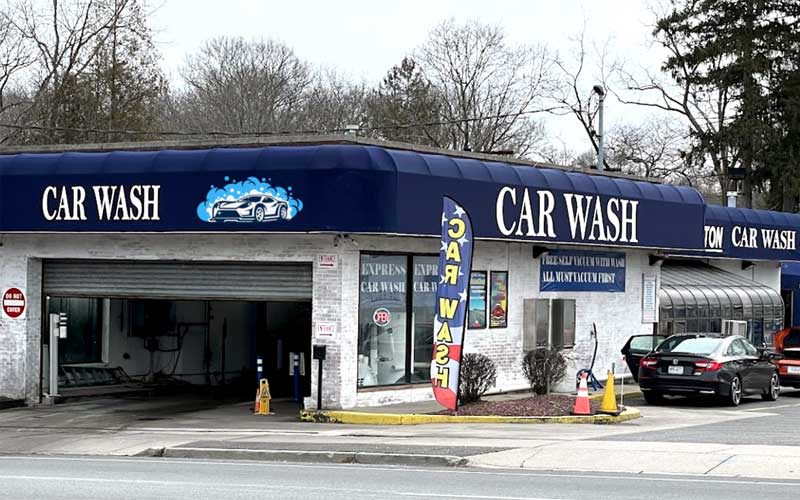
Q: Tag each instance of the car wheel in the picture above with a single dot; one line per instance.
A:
(283, 212)
(774, 389)
(735, 393)
(260, 214)
(653, 398)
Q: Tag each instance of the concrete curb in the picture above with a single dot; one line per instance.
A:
(363, 418)
(337, 457)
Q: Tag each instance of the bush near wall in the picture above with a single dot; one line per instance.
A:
(544, 367)
(478, 375)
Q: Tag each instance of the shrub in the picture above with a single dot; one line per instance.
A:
(544, 367)
(478, 374)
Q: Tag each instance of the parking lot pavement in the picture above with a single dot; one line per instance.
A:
(754, 422)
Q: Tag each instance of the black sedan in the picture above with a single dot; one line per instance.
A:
(726, 367)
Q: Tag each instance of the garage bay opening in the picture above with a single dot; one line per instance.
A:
(195, 329)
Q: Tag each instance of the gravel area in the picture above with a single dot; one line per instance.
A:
(552, 405)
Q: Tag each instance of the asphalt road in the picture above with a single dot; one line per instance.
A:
(772, 422)
(50, 478)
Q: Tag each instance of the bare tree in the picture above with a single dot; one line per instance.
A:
(575, 75)
(489, 90)
(706, 108)
(332, 103)
(657, 148)
(16, 56)
(246, 86)
(66, 37)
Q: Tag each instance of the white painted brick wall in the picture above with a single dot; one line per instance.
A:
(335, 299)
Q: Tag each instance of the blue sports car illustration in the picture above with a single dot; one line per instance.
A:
(250, 208)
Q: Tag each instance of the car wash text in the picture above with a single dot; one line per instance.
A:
(110, 203)
(590, 218)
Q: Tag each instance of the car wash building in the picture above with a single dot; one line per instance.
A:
(186, 264)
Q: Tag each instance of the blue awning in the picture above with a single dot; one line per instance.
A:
(751, 234)
(337, 188)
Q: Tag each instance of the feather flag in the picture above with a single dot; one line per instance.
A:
(455, 262)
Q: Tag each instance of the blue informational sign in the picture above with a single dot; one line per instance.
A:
(582, 271)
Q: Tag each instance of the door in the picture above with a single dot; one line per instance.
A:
(762, 368)
(636, 348)
(745, 364)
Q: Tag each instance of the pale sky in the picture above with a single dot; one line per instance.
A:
(363, 39)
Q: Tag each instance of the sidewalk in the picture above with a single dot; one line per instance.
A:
(231, 432)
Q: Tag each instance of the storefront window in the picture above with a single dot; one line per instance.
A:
(382, 320)
(393, 347)
(426, 277)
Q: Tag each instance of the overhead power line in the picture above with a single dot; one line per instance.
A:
(205, 133)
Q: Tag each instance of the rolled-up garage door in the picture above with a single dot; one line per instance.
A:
(177, 279)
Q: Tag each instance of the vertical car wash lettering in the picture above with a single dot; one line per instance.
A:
(455, 263)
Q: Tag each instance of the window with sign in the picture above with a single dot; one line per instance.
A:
(397, 295)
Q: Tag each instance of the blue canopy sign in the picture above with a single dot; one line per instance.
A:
(582, 271)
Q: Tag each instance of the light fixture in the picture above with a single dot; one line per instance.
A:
(539, 250)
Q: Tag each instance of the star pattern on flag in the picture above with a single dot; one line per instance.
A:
(444, 218)
(462, 296)
(459, 211)
(462, 241)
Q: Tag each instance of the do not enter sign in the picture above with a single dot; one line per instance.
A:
(13, 302)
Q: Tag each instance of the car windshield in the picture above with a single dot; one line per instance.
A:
(690, 345)
(252, 199)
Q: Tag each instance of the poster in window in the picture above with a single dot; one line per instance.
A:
(477, 300)
(498, 297)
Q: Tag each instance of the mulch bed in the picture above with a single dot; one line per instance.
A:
(553, 405)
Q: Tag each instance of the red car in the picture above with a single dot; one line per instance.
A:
(787, 342)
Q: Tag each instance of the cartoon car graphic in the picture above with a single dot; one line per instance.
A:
(258, 208)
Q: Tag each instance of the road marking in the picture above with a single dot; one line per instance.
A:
(768, 408)
(254, 486)
(605, 475)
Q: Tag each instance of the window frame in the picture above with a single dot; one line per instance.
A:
(409, 309)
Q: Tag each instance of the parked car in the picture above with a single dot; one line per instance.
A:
(725, 367)
(637, 347)
(787, 343)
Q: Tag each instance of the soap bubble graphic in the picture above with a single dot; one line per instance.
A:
(252, 185)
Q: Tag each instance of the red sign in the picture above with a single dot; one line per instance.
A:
(14, 302)
(382, 317)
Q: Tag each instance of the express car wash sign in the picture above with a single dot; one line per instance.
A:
(455, 265)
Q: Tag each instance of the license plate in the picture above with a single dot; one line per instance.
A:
(677, 370)
(793, 369)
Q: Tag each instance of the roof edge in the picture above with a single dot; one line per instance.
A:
(301, 140)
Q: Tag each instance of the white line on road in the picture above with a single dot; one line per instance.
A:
(768, 408)
(256, 486)
(662, 477)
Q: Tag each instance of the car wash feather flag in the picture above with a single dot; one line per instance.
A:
(455, 262)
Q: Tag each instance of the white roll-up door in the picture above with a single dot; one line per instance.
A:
(177, 279)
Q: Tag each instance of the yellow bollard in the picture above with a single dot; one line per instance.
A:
(609, 403)
(264, 397)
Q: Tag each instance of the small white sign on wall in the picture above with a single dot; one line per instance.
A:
(649, 299)
(326, 328)
(327, 261)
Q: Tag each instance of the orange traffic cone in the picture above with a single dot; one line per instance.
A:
(257, 407)
(582, 406)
